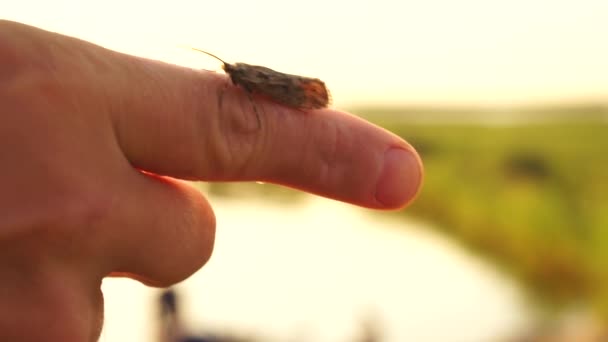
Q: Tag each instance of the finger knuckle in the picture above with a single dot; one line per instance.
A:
(333, 139)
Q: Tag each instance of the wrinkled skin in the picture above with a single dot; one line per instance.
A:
(85, 134)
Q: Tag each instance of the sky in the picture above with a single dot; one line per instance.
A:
(380, 53)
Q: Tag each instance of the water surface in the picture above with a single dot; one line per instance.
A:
(316, 270)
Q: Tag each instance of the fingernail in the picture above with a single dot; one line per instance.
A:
(400, 178)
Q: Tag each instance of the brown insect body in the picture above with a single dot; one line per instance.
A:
(290, 90)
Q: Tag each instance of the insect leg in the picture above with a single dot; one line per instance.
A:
(255, 109)
(220, 97)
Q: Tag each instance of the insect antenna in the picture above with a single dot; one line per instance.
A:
(210, 54)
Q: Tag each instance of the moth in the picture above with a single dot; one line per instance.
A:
(304, 93)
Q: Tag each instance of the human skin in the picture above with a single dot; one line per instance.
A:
(93, 144)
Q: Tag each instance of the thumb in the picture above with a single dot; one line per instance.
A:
(161, 230)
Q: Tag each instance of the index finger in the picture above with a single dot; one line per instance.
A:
(326, 152)
(193, 124)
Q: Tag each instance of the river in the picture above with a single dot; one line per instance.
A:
(314, 271)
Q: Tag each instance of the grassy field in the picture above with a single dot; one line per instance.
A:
(533, 197)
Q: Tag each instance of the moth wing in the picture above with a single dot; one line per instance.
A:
(291, 90)
(316, 95)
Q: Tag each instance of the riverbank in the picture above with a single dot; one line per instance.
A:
(532, 197)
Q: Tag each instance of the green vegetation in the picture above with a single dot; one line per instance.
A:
(534, 197)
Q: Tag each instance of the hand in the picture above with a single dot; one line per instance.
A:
(88, 140)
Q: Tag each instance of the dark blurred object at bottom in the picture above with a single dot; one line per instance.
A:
(172, 330)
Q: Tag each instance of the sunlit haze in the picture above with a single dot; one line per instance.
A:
(382, 52)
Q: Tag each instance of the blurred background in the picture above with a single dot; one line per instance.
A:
(506, 101)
